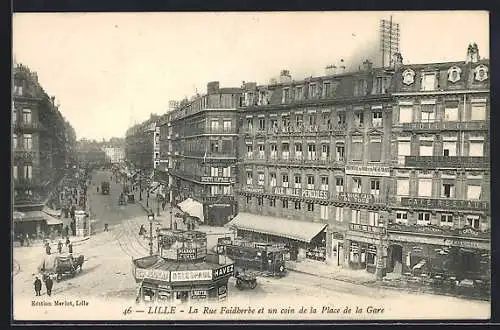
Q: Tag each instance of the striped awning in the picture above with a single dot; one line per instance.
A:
(193, 208)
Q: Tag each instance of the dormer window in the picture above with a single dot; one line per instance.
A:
(299, 92)
(313, 91)
(429, 81)
(286, 95)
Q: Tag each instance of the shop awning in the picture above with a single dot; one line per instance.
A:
(193, 208)
(18, 216)
(30, 216)
(52, 212)
(51, 221)
(292, 229)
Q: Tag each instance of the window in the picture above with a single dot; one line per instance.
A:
(355, 216)
(428, 114)
(340, 152)
(299, 91)
(227, 126)
(28, 141)
(274, 125)
(425, 187)
(373, 218)
(423, 218)
(249, 124)
(339, 214)
(249, 178)
(14, 171)
(284, 180)
(262, 124)
(310, 207)
(380, 85)
(14, 141)
(405, 113)
(426, 148)
(297, 181)
(358, 119)
(284, 203)
(451, 111)
(286, 123)
(357, 150)
(249, 151)
(428, 82)
(312, 120)
(375, 149)
(478, 111)
(339, 185)
(403, 187)
(402, 217)
(272, 179)
(473, 192)
(260, 201)
(215, 190)
(377, 119)
(14, 114)
(375, 187)
(226, 171)
(214, 146)
(27, 116)
(447, 220)
(311, 151)
(18, 90)
(449, 148)
(476, 148)
(310, 182)
(298, 151)
(324, 183)
(286, 95)
(260, 180)
(313, 91)
(356, 185)
(473, 221)
(448, 190)
(28, 171)
(404, 148)
(274, 150)
(285, 147)
(214, 125)
(323, 212)
(227, 190)
(262, 151)
(327, 89)
(297, 205)
(272, 202)
(325, 152)
(299, 121)
(341, 118)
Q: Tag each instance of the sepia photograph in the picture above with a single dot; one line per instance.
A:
(211, 166)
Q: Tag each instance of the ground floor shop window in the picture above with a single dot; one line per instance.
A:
(401, 217)
(424, 218)
(447, 220)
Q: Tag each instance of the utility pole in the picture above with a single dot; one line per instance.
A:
(151, 218)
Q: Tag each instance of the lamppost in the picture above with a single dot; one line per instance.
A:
(147, 199)
(157, 204)
(140, 185)
(151, 218)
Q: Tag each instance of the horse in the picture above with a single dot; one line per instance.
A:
(78, 262)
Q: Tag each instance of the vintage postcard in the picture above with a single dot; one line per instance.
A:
(251, 166)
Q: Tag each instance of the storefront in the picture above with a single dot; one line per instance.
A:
(363, 256)
(302, 239)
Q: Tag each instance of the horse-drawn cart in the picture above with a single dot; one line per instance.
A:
(62, 266)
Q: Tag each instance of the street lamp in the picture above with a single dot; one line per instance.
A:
(147, 199)
(151, 218)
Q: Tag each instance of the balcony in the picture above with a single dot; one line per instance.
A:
(26, 183)
(367, 228)
(22, 155)
(31, 126)
(220, 130)
(360, 198)
(444, 126)
(444, 204)
(465, 232)
(306, 130)
(433, 162)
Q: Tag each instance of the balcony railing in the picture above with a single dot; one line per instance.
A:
(27, 126)
(303, 130)
(467, 231)
(444, 125)
(367, 228)
(447, 161)
(220, 130)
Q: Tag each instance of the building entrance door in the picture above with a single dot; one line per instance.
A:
(395, 259)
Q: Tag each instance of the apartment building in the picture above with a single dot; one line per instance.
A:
(204, 153)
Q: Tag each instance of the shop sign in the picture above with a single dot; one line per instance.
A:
(367, 228)
(467, 244)
(191, 275)
(253, 189)
(223, 240)
(152, 274)
(222, 292)
(216, 179)
(455, 204)
(447, 161)
(226, 270)
(199, 294)
(186, 254)
(360, 198)
(297, 192)
(368, 170)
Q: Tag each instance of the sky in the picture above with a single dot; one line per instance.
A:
(109, 71)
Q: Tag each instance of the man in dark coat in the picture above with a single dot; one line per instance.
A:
(38, 286)
(48, 284)
(70, 248)
(47, 248)
(59, 247)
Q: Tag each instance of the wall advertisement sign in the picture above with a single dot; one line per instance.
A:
(368, 170)
(152, 274)
(191, 275)
(226, 270)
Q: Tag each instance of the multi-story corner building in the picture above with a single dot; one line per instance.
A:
(315, 163)
(139, 145)
(114, 155)
(440, 210)
(204, 146)
(165, 154)
(39, 149)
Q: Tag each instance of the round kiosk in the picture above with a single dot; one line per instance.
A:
(182, 270)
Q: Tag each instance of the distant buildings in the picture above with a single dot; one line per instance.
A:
(114, 155)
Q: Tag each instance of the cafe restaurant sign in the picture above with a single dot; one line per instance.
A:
(360, 198)
(297, 192)
(217, 179)
(368, 170)
(191, 275)
(253, 189)
(152, 274)
(449, 204)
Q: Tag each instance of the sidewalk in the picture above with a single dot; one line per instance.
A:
(76, 240)
(164, 218)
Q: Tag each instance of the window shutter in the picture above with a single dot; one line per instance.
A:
(357, 151)
(375, 151)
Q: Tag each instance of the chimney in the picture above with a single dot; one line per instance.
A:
(341, 67)
(367, 65)
(472, 53)
(213, 87)
(330, 70)
(285, 77)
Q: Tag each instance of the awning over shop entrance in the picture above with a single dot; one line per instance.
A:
(291, 229)
(193, 208)
(38, 216)
(51, 221)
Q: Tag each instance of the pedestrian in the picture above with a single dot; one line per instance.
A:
(38, 286)
(97, 189)
(163, 204)
(48, 285)
(67, 241)
(70, 248)
(59, 247)
(21, 239)
(47, 248)
(105, 227)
